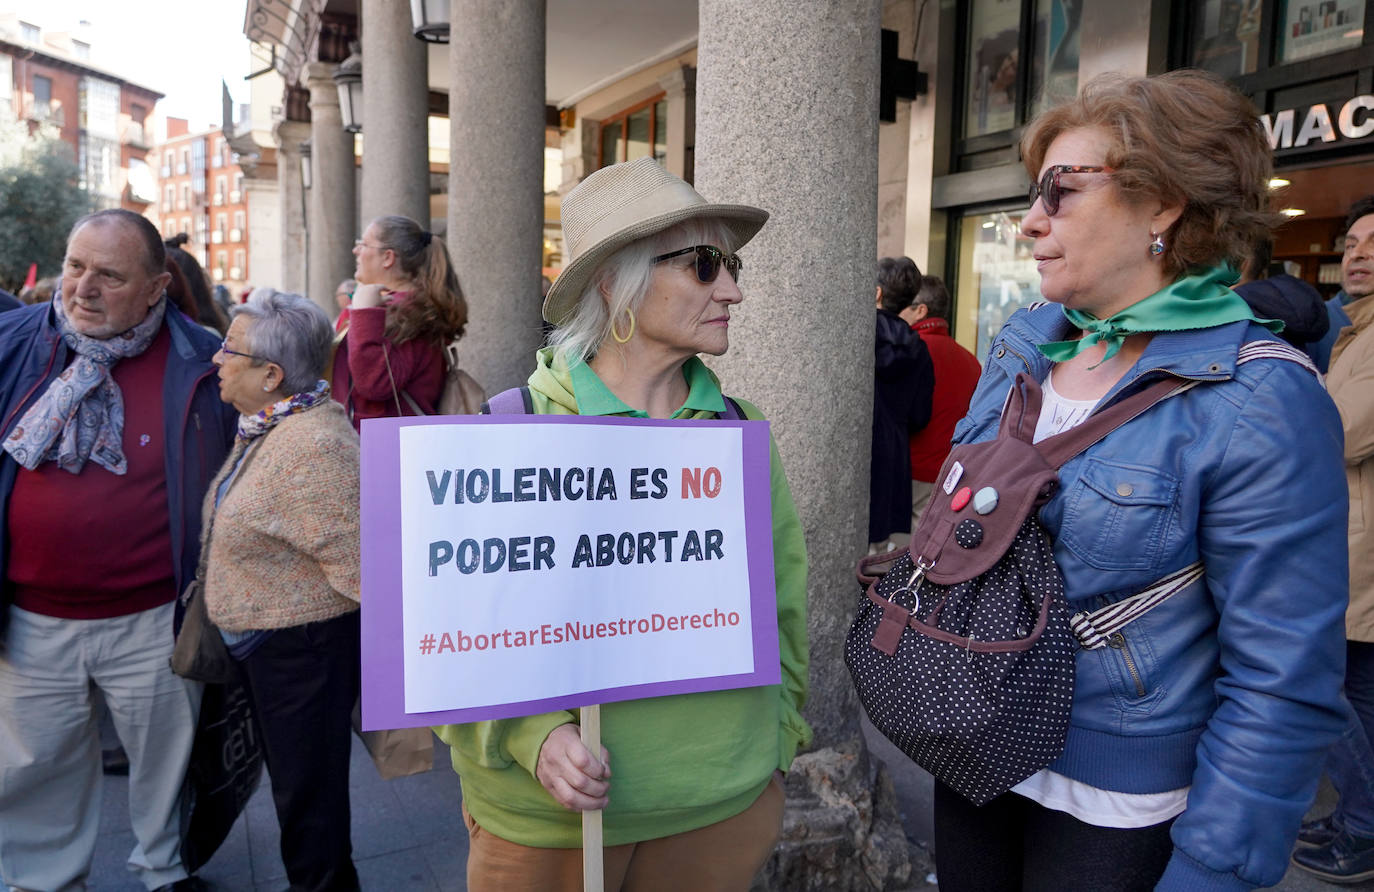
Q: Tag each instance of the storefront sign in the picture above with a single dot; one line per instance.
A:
(514, 565)
(1353, 120)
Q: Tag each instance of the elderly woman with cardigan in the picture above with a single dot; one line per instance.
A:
(281, 577)
(696, 798)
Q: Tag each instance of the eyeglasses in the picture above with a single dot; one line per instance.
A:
(708, 262)
(359, 243)
(1049, 189)
(224, 348)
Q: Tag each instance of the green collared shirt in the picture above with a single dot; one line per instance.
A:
(595, 398)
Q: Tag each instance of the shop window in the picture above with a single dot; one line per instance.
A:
(638, 132)
(997, 276)
(1000, 90)
(1239, 38)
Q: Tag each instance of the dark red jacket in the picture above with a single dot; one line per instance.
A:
(956, 375)
(361, 381)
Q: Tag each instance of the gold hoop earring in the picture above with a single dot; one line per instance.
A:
(629, 334)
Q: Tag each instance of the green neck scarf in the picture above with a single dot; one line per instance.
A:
(1202, 300)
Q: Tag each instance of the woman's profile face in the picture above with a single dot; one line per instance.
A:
(1094, 253)
(369, 254)
(241, 381)
(684, 316)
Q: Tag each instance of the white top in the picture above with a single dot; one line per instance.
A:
(1089, 804)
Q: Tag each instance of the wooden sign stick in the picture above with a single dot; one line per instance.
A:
(593, 872)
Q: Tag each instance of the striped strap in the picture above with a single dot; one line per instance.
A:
(1093, 628)
(1275, 350)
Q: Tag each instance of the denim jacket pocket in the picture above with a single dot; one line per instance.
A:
(1118, 516)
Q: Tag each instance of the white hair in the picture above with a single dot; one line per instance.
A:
(627, 275)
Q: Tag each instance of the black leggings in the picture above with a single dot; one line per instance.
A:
(1014, 844)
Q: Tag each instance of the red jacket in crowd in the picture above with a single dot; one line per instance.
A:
(956, 375)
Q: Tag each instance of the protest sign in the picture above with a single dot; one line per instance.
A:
(517, 565)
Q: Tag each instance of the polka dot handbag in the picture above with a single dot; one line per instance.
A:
(961, 651)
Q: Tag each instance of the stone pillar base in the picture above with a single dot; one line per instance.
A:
(841, 829)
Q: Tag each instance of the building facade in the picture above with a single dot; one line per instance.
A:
(778, 104)
(201, 192)
(47, 77)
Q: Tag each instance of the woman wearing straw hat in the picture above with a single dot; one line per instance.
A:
(696, 799)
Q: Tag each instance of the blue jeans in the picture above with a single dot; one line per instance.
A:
(1351, 760)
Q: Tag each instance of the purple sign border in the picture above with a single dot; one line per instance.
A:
(383, 640)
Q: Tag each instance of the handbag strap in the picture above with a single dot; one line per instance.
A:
(395, 395)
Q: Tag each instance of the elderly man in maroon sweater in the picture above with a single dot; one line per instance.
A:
(112, 427)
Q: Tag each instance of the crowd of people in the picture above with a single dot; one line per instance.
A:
(155, 429)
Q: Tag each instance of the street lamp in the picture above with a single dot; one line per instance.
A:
(348, 77)
(305, 164)
(430, 18)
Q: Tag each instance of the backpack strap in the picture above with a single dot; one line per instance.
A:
(516, 401)
(1094, 628)
(1023, 410)
(732, 410)
(1253, 350)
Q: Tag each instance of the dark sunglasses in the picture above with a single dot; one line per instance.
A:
(1049, 189)
(709, 260)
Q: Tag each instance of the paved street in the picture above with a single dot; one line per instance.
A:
(408, 834)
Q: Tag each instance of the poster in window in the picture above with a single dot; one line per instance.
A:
(1054, 72)
(1309, 28)
(993, 66)
(1226, 36)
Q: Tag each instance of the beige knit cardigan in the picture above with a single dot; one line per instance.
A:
(284, 543)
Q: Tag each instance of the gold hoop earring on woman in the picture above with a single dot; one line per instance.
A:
(629, 334)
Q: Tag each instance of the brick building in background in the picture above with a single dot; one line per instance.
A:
(105, 117)
(200, 191)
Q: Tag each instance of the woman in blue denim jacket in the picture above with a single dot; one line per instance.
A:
(1197, 734)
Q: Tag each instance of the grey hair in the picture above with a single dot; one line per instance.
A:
(291, 331)
(627, 275)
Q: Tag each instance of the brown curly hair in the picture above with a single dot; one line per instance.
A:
(437, 309)
(1187, 138)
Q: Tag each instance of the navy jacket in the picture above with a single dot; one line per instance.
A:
(903, 383)
(198, 427)
(1232, 687)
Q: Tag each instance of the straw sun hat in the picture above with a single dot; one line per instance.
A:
(621, 204)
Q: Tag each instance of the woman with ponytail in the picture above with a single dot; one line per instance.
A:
(407, 308)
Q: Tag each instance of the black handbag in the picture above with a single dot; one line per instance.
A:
(961, 650)
(225, 769)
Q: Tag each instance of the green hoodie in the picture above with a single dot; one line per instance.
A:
(680, 762)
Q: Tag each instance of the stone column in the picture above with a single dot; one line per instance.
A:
(332, 218)
(680, 92)
(795, 132)
(496, 182)
(395, 113)
(291, 200)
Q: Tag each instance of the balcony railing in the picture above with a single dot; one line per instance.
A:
(235, 196)
(236, 235)
(134, 135)
(235, 273)
(217, 237)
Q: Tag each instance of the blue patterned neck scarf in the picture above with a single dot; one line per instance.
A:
(80, 417)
